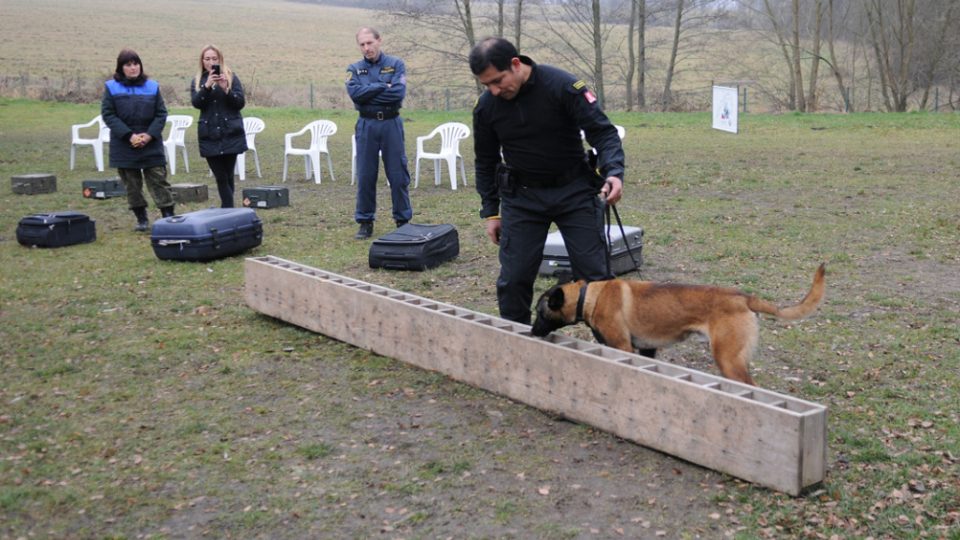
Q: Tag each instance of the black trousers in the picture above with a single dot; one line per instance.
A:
(526, 218)
(222, 167)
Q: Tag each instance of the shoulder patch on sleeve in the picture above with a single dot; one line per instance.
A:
(577, 87)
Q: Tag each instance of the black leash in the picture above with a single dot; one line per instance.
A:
(623, 235)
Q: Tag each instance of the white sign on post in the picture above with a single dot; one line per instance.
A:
(725, 102)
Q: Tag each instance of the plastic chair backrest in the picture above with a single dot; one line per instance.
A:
(251, 126)
(319, 131)
(450, 135)
(178, 127)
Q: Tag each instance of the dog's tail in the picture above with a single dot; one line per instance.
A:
(806, 306)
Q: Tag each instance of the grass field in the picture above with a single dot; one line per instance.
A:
(142, 398)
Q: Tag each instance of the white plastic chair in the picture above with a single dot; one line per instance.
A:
(103, 136)
(176, 139)
(319, 130)
(353, 161)
(450, 134)
(251, 126)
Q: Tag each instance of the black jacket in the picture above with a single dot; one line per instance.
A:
(220, 128)
(538, 132)
(129, 109)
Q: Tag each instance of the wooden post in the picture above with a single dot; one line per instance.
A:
(767, 438)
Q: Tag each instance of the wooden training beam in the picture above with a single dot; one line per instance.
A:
(760, 436)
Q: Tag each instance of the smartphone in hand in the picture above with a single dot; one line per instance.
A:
(215, 69)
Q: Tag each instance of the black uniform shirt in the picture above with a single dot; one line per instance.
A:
(539, 131)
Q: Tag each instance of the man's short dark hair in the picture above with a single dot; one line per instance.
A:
(492, 51)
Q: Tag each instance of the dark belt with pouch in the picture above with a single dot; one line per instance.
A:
(380, 115)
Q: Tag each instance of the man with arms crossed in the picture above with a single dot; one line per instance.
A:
(377, 85)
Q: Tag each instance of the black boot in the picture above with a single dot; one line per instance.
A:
(167, 211)
(401, 222)
(365, 231)
(142, 222)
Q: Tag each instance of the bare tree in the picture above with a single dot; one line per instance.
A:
(517, 28)
(667, 97)
(692, 22)
(466, 19)
(812, 97)
(834, 62)
(579, 30)
(636, 55)
(942, 27)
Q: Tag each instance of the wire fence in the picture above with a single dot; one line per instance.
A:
(311, 95)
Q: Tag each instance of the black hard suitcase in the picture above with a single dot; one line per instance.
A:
(206, 234)
(103, 189)
(266, 197)
(33, 184)
(56, 229)
(415, 247)
(556, 262)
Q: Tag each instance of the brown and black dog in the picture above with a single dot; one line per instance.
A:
(645, 315)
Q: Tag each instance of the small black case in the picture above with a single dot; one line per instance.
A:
(56, 229)
(415, 247)
(266, 197)
(103, 189)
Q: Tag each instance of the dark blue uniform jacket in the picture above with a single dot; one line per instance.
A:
(134, 109)
(367, 84)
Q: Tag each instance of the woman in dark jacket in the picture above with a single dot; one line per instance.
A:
(217, 92)
(133, 109)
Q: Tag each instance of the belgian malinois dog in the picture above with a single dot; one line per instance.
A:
(643, 316)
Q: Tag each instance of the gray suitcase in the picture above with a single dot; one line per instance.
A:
(556, 262)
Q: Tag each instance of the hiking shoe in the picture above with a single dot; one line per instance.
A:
(365, 231)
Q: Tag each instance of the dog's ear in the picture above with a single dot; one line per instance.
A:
(556, 299)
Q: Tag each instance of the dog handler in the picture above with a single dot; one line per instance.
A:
(377, 85)
(534, 114)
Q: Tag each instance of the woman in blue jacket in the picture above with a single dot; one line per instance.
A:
(217, 92)
(133, 109)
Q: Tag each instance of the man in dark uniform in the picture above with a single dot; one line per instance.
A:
(533, 114)
(377, 85)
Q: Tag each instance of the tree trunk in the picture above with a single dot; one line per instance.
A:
(641, 54)
(667, 98)
(815, 62)
(834, 62)
(500, 18)
(598, 52)
(797, 68)
(631, 55)
(516, 24)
